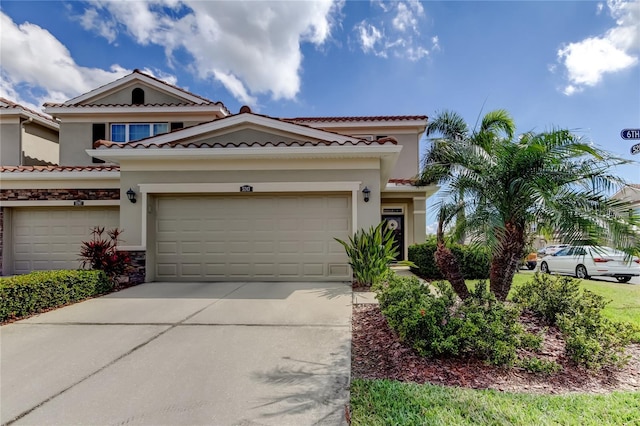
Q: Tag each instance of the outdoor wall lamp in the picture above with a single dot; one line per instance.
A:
(131, 195)
(366, 192)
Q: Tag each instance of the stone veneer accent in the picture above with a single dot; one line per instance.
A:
(59, 194)
(137, 272)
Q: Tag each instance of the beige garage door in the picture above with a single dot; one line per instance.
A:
(257, 237)
(50, 238)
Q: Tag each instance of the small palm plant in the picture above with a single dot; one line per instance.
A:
(370, 252)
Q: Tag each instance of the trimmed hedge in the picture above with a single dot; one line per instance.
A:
(474, 262)
(32, 293)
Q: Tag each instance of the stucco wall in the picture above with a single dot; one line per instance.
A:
(75, 138)
(407, 165)
(40, 143)
(151, 96)
(368, 214)
(10, 149)
(248, 135)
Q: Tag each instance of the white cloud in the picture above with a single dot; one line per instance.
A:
(251, 48)
(369, 37)
(24, 50)
(589, 60)
(396, 31)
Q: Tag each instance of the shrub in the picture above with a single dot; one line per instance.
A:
(28, 294)
(370, 252)
(549, 297)
(473, 260)
(430, 320)
(102, 254)
(591, 340)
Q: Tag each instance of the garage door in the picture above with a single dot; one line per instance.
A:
(258, 237)
(50, 238)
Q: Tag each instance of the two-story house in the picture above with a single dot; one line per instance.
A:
(203, 194)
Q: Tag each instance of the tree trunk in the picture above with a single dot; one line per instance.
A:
(448, 265)
(506, 260)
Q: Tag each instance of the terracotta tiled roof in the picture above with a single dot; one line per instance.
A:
(6, 104)
(359, 118)
(47, 169)
(411, 182)
(102, 144)
(62, 105)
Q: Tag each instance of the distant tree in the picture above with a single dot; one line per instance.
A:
(504, 185)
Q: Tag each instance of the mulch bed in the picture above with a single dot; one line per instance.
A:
(377, 353)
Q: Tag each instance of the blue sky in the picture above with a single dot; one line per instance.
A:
(570, 64)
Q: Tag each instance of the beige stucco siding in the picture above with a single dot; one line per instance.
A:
(151, 96)
(248, 135)
(10, 148)
(75, 138)
(407, 165)
(40, 145)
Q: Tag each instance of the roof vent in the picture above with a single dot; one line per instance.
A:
(244, 109)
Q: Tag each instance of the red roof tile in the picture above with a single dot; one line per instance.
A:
(12, 105)
(102, 144)
(359, 118)
(62, 105)
(46, 169)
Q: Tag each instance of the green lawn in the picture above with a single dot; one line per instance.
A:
(383, 402)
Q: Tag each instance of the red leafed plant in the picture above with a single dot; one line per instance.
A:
(101, 253)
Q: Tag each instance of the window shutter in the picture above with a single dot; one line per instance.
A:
(176, 126)
(99, 132)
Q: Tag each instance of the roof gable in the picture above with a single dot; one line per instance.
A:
(139, 79)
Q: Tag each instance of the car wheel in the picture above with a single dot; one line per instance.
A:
(623, 279)
(544, 268)
(581, 272)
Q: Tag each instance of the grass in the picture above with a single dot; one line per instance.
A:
(384, 402)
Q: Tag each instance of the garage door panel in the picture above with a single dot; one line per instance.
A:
(51, 238)
(267, 237)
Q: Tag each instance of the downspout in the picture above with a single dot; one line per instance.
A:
(22, 130)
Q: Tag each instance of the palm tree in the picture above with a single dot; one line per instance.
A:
(551, 179)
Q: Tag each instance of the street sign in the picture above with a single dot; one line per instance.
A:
(630, 134)
(635, 149)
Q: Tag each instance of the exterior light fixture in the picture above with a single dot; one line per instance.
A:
(366, 192)
(131, 195)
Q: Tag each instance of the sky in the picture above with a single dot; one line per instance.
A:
(551, 64)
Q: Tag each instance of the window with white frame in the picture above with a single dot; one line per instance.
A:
(129, 132)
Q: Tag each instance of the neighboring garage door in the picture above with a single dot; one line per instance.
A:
(258, 237)
(50, 238)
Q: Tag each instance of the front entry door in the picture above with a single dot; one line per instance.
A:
(396, 223)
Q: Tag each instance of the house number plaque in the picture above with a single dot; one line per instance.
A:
(246, 188)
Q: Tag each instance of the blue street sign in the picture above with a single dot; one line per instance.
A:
(630, 134)
(635, 149)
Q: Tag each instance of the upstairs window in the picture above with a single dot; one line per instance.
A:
(137, 96)
(129, 132)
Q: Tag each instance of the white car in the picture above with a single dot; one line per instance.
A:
(552, 249)
(589, 261)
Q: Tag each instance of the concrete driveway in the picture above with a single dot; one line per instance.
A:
(183, 353)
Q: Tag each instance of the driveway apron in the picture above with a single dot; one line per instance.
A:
(183, 353)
